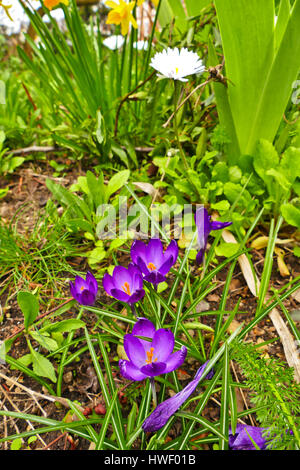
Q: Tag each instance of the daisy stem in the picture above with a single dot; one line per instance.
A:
(176, 99)
(152, 382)
(175, 126)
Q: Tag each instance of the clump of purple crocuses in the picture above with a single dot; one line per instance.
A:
(152, 356)
(152, 260)
(84, 290)
(125, 284)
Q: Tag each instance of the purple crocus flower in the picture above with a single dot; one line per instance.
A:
(125, 284)
(167, 408)
(84, 290)
(148, 359)
(204, 226)
(152, 260)
(241, 440)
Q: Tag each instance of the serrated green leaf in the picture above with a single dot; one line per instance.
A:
(42, 366)
(46, 342)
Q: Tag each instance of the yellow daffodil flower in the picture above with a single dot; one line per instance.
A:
(121, 14)
(53, 3)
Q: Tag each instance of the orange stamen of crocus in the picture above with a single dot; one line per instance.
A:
(126, 288)
(150, 354)
(151, 266)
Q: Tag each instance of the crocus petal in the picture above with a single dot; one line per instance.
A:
(175, 360)
(216, 225)
(145, 328)
(171, 251)
(91, 280)
(130, 371)
(80, 284)
(121, 275)
(163, 344)
(241, 440)
(155, 278)
(135, 350)
(166, 266)
(120, 295)
(84, 290)
(87, 297)
(138, 250)
(154, 369)
(202, 221)
(154, 252)
(108, 283)
(136, 277)
(159, 417)
(136, 297)
(142, 265)
(200, 256)
(73, 290)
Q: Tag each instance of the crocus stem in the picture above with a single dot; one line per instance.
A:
(134, 310)
(152, 382)
(64, 356)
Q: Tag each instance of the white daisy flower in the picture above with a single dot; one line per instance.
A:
(177, 64)
(114, 42)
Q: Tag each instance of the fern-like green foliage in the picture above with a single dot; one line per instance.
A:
(275, 394)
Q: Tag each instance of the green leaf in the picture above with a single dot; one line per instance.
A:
(96, 188)
(227, 249)
(25, 360)
(116, 149)
(223, 108)
(197, 326)
(74, 203)
(194, 7)
(64, 326)
(172, 10)
(29, 305)
(116, 183)
(291, 214)
(42, 366)
(79, 225)
(261, 66)
(16, 444)
(46, 342)
(3, 192)
(282, 21)
(265, 158)
(221, 206)
(296, 251)
(290, 164)
(100, 131)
